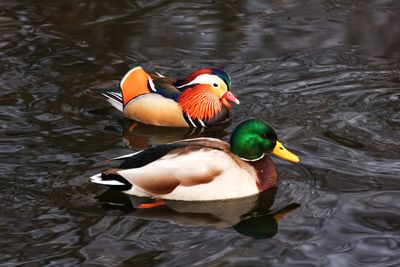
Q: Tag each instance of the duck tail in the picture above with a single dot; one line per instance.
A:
(136, 82)
(114, 97)
(112, 180)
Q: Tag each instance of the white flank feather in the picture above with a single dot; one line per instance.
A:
(234, 180)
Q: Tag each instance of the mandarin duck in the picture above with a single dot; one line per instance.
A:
(199, 100)
(202, 169)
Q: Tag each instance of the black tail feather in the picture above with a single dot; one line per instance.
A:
(115, 177)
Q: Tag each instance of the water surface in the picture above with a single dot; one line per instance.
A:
(326, 74)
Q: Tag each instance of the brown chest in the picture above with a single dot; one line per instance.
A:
(266, 173)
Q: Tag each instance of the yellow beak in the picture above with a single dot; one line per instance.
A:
(283, 153)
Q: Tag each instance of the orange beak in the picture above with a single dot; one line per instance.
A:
(229, 96)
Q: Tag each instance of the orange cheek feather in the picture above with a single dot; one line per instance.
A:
(199, 103)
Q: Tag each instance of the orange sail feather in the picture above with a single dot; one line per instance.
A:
(134, 83)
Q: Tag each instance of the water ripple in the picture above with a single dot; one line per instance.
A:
(324, 73)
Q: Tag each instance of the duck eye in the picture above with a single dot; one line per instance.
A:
(265, 136)
(215, 85)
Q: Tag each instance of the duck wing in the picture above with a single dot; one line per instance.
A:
(138, 82)
(165, 86)
(162, 168)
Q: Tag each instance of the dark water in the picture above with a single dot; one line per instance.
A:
(325, 73)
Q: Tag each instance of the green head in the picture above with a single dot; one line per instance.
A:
(252, 138)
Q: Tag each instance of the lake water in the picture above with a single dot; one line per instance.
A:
(325, 73)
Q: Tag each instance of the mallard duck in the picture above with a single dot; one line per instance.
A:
(202, 169)
(201, 99)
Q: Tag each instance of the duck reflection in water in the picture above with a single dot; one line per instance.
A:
(253, 216)
(141, 136)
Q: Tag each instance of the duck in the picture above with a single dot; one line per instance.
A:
(201, 99)
(202, 169)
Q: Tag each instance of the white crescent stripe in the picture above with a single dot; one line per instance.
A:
(202, 123)
(190, 119)
(152, 86)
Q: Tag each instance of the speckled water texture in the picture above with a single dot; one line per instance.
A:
(326, 74)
